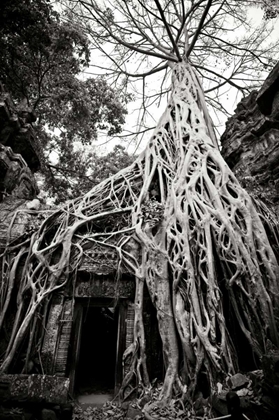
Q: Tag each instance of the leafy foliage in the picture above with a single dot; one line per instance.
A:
(41, 58)
(37, 51)
(83, 108)
(77, 172)
(271, 8)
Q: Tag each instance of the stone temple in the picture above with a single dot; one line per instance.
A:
(89, 323)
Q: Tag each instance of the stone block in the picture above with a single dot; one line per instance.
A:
(268, 90)
(238, 381)
(36, 388)
(103, 286)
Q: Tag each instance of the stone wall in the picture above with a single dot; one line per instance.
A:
(16, 131)
(18, 160)
(250, 146)
(34, 388)
(250, 143)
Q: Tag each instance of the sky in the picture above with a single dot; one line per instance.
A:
(105, 145)
(229, 100)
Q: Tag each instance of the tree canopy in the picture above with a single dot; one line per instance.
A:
(270, 7)
(81, 170)
(41, 58)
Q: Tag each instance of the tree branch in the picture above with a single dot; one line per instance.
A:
(228, 80)
(193, 8)
(207, 7)
(174, 44)
(247, 50)
(106, 25)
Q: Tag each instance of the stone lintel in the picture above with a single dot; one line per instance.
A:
(98, 286)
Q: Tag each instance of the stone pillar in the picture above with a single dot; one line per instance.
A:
(63, 343)
(51, 335)
(130, 324)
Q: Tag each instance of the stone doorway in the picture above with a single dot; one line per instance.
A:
(97, 356)
(97, 346)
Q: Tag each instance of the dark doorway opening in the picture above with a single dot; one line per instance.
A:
(97, 356)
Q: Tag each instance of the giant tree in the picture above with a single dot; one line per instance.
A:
(177, 217)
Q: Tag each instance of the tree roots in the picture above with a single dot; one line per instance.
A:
(181, 223)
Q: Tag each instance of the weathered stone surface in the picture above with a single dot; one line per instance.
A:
(56, 344)
(63, 344)
(100, 260)
(268, 91)
(17, 133)
(243, 392)
(14, 210)
(51, 335)
(35, 388)
(250, 143)
(16, 179)
(238, 381)
(103, 260)
(104, 286)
